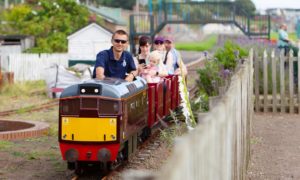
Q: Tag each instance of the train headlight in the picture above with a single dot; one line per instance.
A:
(90, 89)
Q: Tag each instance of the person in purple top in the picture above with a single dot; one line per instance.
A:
(116, 62)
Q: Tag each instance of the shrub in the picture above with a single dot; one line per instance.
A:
(215, 73)
(229, 54)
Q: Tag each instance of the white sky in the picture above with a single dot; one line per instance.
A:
(264, 4)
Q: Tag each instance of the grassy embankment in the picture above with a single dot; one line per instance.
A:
(207, 44)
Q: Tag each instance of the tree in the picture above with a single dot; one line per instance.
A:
(49, 21)
(126, 4)
(246, 6)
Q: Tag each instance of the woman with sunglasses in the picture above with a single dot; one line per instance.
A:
(165, 56)
(116, 62)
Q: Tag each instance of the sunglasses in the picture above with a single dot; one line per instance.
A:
(120, 41)
(158, 42)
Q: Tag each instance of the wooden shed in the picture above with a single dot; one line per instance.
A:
(86, 43)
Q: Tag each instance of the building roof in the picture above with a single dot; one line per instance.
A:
(14, 37)
(92, 25)
(110, 14)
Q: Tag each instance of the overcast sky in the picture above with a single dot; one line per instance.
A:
(264, 4)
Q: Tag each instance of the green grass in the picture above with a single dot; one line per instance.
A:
(205, 45)
(24, 88)
(5, 144)
(292, 36)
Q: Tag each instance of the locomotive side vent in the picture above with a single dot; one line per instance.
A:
(131, 88)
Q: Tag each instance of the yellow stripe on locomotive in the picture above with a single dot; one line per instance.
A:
(89, 129)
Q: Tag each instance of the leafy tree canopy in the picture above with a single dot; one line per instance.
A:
(49, 21)
(125, 4)
(246, 5)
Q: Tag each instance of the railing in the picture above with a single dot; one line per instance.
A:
(198, 13)
(219, 147)
(277, 82)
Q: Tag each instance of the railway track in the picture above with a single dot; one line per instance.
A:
(32, 108)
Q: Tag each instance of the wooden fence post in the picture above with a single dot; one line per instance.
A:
(291, 82)
(265, 80)
(282, 83)
(274, 85)
(256, 71)
(298, 73)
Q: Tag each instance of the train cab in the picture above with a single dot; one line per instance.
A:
(98, 116)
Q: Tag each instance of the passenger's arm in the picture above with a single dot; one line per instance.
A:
(169, 63)
(183, 68)
(130, 77)
(100, 73)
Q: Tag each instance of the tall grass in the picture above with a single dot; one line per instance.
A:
(207, 44)
(23, 88)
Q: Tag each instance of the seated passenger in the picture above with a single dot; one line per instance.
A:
(116, 62)
(144, 51)
(155, 70)
(167, 58)
(169, 45)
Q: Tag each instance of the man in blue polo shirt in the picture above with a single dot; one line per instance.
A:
(115, 62)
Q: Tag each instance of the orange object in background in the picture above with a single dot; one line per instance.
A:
(7, 77)
(10, 77)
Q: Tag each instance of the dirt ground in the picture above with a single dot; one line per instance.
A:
(40, 158)
(275, 147)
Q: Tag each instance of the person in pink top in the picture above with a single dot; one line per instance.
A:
(155, 69)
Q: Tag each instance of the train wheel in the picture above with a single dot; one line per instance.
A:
(79, 169)
(71, 165)
(145, 134)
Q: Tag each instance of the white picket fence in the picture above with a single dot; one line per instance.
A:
(31, 66)
(219, 147)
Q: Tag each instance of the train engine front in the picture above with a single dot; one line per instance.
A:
(97, 120)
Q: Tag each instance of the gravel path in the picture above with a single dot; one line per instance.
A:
(275, 147)
(190, 56)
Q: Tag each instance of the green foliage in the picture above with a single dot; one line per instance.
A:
(200, 104)
(209, 78)
(215, 74)
(126, 4)
(205, 45)
(49, 21)
(228, 55)
(245, 5)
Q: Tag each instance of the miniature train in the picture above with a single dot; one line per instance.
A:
(101, 122)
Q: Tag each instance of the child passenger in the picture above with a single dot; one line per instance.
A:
(155, 69)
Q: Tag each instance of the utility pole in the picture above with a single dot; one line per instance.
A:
(6, 4)
(137, 6)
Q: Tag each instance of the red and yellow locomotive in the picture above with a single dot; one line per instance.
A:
(101, 121)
